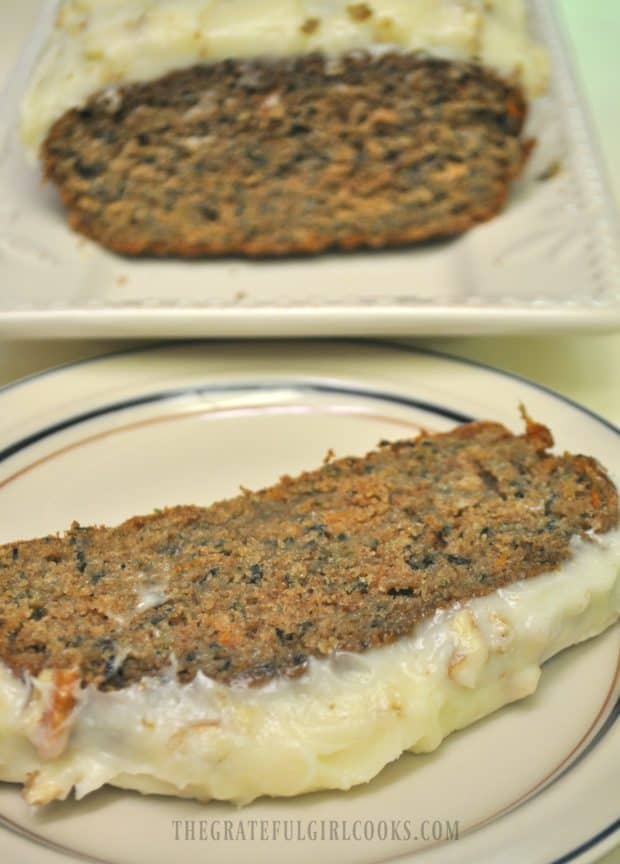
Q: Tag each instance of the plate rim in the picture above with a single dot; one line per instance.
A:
(376, 322)
(376, 342)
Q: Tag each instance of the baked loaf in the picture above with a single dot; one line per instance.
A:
(230, 624)
(286, 156)
(286, 149)
(345, 558)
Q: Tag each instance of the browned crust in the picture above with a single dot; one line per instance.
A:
(347, 557)
(51, 707)
(392, 151)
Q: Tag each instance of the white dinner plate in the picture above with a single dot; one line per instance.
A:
(104, 439)
(550, 261)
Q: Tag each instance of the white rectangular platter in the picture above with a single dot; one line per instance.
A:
(550, 261)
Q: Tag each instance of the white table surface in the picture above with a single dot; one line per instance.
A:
(582, 367)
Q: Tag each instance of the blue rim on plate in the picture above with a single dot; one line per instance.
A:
(238, 387)
(379, 343)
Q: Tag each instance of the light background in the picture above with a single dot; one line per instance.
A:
(582, 367)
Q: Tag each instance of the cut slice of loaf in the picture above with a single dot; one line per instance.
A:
(282, 156)
(303, 636)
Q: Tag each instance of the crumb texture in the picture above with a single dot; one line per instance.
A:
(273, 157)
(349, 557)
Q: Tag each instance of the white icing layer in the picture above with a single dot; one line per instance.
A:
(97, 44)
(335, 727)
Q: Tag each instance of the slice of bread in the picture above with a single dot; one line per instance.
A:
(345, 558)
(275, 157)
(379, 601)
